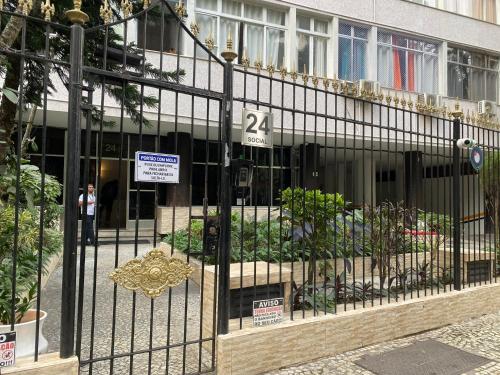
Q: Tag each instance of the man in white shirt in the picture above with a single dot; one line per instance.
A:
(89, 235)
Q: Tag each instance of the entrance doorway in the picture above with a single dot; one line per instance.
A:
(113, 194)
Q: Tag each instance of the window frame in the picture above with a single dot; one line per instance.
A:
(246, 21)
(311, 34)
(351, 39)
(484, 69)
(408, 49)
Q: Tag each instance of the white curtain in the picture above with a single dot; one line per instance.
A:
(275, 51)
(231, 7)
(320, 45)
(253, 12)
(255, 43)
(303, 48)
(450, 5)
(430, 82)
(385, 66)
(207, 4)
(226, 27)
(466, 7)
(208, 27)
(421, 74)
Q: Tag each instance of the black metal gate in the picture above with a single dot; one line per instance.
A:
(158, 102)
(126, 307)
(363, 198)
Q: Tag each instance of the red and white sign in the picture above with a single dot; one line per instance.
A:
(7, 349)
(267, 312)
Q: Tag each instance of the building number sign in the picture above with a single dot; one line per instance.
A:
(257, 128)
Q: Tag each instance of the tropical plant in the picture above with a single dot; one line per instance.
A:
(20, 229)
(387, 234)
(127, 94)
(262, 240)
(490, 181)
(312, 216)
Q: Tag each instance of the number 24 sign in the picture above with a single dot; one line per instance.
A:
(257, 128)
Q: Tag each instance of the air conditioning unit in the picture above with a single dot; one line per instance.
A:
(429, 102)
(368, 89)
(348, 88)
(486, 108)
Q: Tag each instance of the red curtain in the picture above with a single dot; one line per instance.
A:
(411, 71)
(398, 82)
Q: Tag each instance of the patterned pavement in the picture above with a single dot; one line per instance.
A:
(479, 336)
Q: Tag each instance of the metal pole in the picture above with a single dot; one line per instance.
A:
(71, 194)
(456, 204)
(226, 195)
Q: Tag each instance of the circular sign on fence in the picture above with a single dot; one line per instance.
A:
(476, 157)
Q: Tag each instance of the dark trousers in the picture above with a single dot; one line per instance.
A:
(89, 235)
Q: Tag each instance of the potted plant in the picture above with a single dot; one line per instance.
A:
(20, 311)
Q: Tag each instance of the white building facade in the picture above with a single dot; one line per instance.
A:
(447, 48)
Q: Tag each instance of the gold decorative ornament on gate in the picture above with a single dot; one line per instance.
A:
(152, 274)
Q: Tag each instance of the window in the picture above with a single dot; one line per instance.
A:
(258, 31)
(353, 41)
(431, 3)
(481, 9)
(312, 41)
(407, 64)
(472, 75)
(151, 34)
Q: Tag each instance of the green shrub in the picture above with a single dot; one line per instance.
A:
(28, 236)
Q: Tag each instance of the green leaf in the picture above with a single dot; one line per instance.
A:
(11, 95)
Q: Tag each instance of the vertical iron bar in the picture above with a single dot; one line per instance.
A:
(456, 205)
(225, 243)
(71, 194)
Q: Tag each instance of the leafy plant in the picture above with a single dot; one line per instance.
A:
(250, 240)
(28, 239)
(312, 218)
(387, 234)
(490, 181)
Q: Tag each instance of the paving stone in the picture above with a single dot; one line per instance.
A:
(479, 337)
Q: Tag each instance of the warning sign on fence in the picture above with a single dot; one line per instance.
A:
(267, 312)
(7, 349)
(150, 167)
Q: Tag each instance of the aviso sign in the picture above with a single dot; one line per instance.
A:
(257, 128)
(267, 312)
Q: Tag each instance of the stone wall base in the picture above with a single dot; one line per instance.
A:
(257, 350)
(48, 364)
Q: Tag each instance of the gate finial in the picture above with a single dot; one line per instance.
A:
(48, 10)
(180, 9)
(105, 12)
(25, 6)
(228, 54)
(75, 15)
(245, 61)
(126, 8)
(457, 113)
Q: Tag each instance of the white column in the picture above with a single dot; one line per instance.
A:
(371, 55)
(188, 45)
(132, 31)
(498, 11)
(291, 50)
(443, 69)
(365, 181)
(333, 49)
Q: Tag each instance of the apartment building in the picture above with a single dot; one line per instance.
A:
(444, 48)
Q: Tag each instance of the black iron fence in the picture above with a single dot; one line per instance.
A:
(361, 198)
